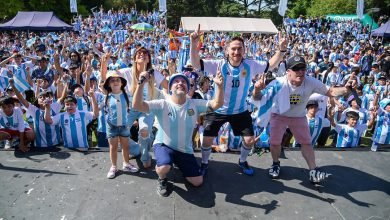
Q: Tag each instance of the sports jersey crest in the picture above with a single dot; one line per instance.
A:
(190, 112)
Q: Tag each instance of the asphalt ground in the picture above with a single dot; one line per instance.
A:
(66, 184)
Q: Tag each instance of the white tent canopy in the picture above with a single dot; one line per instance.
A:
(227, 24)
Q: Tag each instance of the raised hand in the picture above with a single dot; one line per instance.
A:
(260, 83)
(283, 42)
(196, 34)
(218, 79)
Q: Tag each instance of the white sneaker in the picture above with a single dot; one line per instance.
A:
(130, 168)
(8, 144)
(374, 147)
(112, 172)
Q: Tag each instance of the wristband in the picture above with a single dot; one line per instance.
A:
(283, 51)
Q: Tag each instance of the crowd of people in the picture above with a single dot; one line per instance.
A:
(173, 91)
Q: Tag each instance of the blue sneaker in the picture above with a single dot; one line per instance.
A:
(203, 168)
(245, 168)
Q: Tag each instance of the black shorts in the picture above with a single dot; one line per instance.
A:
(241, 124)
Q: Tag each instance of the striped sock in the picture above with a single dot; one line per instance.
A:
(206, 151)
(244, 153)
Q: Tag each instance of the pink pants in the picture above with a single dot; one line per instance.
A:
(298, 127)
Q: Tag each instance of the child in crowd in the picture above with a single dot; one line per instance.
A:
(315, 122)
(117, 107)
(348, 135)
(45, 135)
(13, 126)
(73, 122)
(381, 134)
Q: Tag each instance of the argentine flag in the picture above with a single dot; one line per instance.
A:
(19, 77)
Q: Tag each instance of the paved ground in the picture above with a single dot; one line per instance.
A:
(72, 185)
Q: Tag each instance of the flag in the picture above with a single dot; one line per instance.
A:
(184, 55)
(162, 5)
(120, 36)
(20, 81)
(73, 6)
(282, 7)
(360, 8)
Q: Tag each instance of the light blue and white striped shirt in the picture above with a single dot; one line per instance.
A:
(175, 123)
(237, 81)
(74, 128)
(349, 136)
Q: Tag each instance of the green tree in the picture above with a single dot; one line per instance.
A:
(9, 9)
(321, 8)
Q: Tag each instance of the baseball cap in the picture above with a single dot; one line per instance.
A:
(294, 61)
(312, 102)
(174, 76)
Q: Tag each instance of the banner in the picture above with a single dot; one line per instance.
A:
(282, 7)
(120, 36)
(366, 20)
(162, 5)
(360, 8)
(73, 6)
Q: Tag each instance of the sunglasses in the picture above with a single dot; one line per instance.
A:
(298, 68)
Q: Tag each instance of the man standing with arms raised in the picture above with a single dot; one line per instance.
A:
(237, 73)
(283, 102)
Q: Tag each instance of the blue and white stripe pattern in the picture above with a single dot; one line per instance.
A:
(120, 36)
(266, 102)
(184, 55)
(74, 128)
(237, 81)
(349, 136)
(46, 135)
(382, 131)
(117, 110)
(20, 78)
(175, 123)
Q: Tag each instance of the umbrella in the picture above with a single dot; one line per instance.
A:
(143, 27)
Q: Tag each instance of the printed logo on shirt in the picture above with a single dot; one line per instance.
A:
(295, 99)
(191, 112)
(66, 121)
(170, 114)
(243, 72)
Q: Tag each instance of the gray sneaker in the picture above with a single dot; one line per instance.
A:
(162, 187)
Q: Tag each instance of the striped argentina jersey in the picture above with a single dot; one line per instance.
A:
(382, 131)
(175, 123)
(74, 128)
(82, 104)
(117, 109)
(349, 136)
(100, 98)
(14, 122)
(315, 126)
(237, 81)
(46, 135)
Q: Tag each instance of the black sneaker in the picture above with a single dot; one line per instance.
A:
(274, 171)
(203, 169)
(162, 188)
(317, 176)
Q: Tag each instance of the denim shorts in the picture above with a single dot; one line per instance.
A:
(115, 131)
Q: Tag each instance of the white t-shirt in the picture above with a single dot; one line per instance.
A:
(299, 96)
